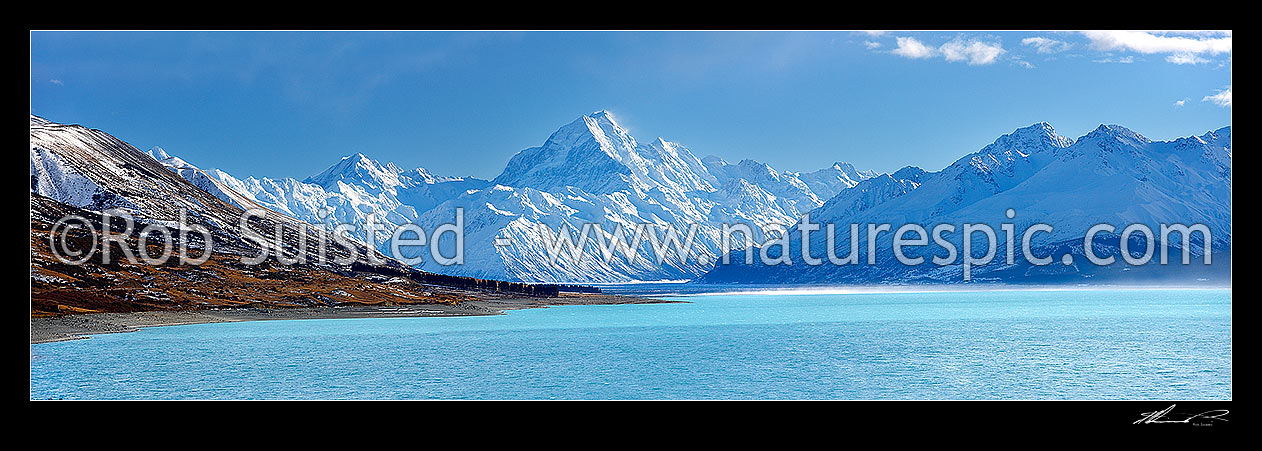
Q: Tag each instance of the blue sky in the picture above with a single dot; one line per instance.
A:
(287, 104)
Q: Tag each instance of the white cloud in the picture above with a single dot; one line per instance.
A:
(1179, 103)
(1222, 98)
(1123, 60)
(909, 47)
(973, 51)
(872, 45)
(1025, 64)
(1184, 48)
(1185, 58)
(1199, 32)
(1046, 45)
(56, 82)
(874, 33)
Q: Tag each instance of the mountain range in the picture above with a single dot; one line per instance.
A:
(592, 171)
(1111, 175)
(588, 171)
(86, 185)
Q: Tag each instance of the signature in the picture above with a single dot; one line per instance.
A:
(1167, 415)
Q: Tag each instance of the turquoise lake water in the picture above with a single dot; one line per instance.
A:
(1091, 344)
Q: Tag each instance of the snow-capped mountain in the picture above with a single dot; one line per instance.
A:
(1111, 175)
(596, 155)
(77, 167)
(829, 181)
(590, 171)
(112, 194)
(356, 191)
(206, 180)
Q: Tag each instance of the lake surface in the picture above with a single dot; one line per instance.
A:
(1094, 344)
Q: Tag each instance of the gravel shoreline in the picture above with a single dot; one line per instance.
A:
(74, 327)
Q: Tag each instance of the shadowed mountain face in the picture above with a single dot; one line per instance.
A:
(1111, 175)
(91, 170)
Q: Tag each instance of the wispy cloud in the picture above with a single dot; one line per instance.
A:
(1046, 45)
(1182, 48)
(1180, 102)
(872, 45)
(57, 82)
(1222, 98)
(973, 51)
(1185, 58)
(1123, 60)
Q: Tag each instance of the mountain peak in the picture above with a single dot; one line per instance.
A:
(1220, 137)
(599, 125)
(1117, 132)
(592, 152)
(604, 121)
(605, 116)
(844, 167)
(168, 160)
(1028, 140)
(851, 172)
(1042, 128)
(909, 173)
(358, 168)
(158, 153)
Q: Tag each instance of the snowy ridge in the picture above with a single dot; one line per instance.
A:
(203, 180)
(593, 172)
(92, 170)
(357, 191)
(1111, 175)
(829, 181)
(590, 171)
